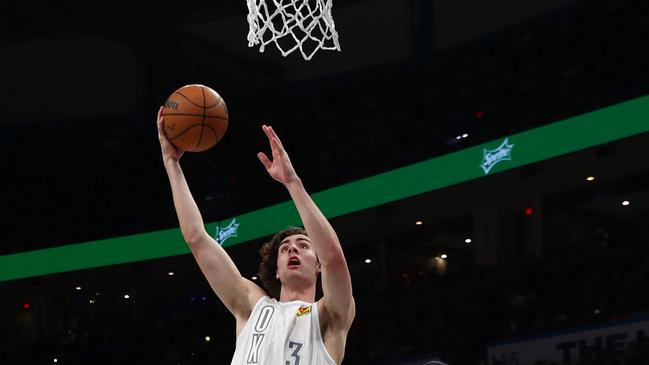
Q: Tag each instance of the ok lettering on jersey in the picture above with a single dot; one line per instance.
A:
(263, 320)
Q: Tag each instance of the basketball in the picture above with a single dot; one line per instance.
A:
(195, 118)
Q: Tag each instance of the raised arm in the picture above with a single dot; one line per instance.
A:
(237, 293)
(336, 281)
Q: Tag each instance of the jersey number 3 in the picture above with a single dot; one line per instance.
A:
(295, 356)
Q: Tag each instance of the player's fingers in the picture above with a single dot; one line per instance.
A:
(264, 160)
(276, 147)
(160, 120)
(268, 133)
(272, 131)
(161, 134)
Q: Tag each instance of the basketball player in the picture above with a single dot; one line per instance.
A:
(290, 327)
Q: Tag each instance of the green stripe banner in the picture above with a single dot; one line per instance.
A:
(556, 139)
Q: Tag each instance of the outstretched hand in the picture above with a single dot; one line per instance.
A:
(280, 168)
(169, 151)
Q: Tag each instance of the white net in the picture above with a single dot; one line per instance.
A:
(306, 25)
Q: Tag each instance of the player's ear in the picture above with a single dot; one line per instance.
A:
(276, 274)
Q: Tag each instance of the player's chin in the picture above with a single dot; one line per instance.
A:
(297, 272)
(294, 272)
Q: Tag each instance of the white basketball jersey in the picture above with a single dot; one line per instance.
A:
(282, 334)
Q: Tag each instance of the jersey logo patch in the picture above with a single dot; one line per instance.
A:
(305, 309)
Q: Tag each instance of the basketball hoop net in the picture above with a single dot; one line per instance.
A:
(306, 25)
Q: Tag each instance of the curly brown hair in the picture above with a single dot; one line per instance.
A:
(268, 265)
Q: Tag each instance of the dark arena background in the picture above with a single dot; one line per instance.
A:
(485, 165)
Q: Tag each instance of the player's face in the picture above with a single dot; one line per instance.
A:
(296, 259)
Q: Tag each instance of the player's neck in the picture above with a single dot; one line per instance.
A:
(305, 294)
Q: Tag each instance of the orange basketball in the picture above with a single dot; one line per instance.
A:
(195, 118)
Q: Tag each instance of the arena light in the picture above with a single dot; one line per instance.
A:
(531, 146)
(171, 273)
(78, 288)
(126, 296)
(419, 223)
(368, 261)
(468, 240)
(207, 339)
(254, 278)
(626, 202)
(590, 178)
(444, 256)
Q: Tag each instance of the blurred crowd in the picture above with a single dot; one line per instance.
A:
(418, 312)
